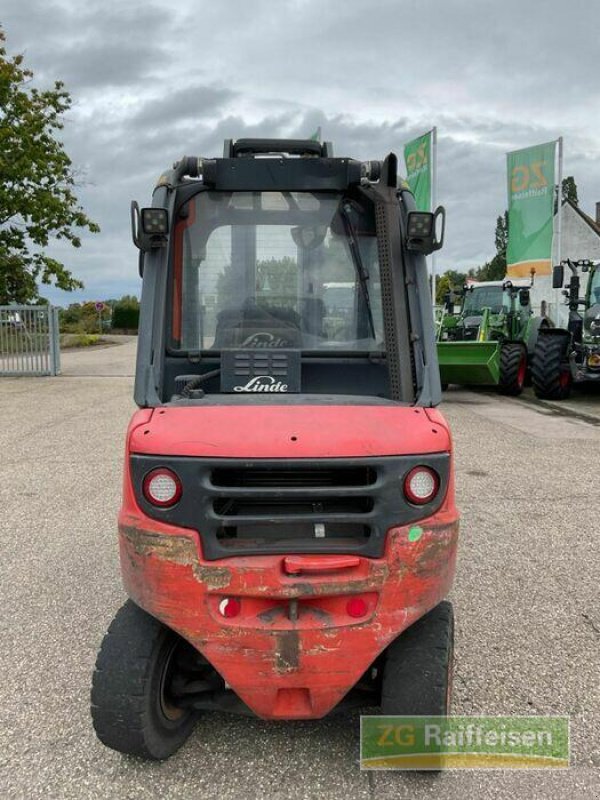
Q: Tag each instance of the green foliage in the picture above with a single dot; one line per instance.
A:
(82, 318)
(450, 281)
(79, 340)
(126, 314)
(569, 190)
(37, 201)
(277, 276)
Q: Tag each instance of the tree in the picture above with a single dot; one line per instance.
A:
(495, 270)
(37, 200)
(447, 282)
(569, 190)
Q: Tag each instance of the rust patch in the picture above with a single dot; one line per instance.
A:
(287, 651)
(434, 555)
(213, 577)
(179, 550)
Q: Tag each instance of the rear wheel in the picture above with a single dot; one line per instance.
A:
(417, 674)
(134, 709)
(550, 371)
(513, 368)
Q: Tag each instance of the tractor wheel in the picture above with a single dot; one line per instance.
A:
(133, 710)
(513, 368)
(550, 373)
(417, 674)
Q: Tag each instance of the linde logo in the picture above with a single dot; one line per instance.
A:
(264, 339)
(262, 383)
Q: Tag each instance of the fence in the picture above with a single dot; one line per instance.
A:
(29, 343)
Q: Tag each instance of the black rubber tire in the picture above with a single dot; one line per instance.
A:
(513, 368)
(550, 372)
(417, 673)
(130, 711)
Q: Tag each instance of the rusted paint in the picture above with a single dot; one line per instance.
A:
(287, 651)
(179, 550)
(213, 577)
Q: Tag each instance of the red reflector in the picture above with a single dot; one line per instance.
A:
(356, 607)
(230, 607)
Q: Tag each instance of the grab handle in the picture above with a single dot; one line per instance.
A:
(295, 565)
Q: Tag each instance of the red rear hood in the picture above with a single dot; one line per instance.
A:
(290, 431)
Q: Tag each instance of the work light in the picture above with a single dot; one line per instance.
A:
(155, 221)
(420, 225)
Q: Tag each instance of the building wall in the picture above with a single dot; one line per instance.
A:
(578, 241)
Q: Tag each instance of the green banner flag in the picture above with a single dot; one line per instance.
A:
(417, 156)
(530, 175)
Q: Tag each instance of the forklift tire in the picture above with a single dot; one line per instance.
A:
(551, 376)
(417, 674)
(131, 711)
(513, 368)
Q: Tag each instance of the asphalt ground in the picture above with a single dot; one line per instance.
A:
(526, 598)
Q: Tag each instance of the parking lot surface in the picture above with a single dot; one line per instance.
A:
(526, 598)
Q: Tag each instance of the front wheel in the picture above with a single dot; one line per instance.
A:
(513, 368)
(134, 709)
(550, 373)
(417, 674)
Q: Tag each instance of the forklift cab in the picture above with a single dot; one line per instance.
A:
(272, 258)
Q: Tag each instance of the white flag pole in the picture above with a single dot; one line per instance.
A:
(433, 201)
(557, 292)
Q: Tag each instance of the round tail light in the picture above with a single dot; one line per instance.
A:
(162, 487)
(230, 607)
(421, 485)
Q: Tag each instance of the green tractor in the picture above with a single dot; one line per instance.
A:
(491, 339)
(564, 357)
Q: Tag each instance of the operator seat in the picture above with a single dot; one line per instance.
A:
(254, 326)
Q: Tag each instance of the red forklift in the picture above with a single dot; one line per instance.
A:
(288, 531)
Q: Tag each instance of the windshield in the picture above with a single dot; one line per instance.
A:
(492, 297)
(595, 287)
(275, 269)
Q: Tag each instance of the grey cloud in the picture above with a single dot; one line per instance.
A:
(188, 104)
(151, 82)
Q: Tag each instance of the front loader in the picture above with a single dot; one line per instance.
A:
(288, 530)
(489, 341)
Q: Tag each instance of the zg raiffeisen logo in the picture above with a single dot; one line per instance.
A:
(434, 743)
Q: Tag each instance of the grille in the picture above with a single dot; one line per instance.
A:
(341, 505)
(284, 478)
(285, 504)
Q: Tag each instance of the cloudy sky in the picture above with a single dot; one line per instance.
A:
(153, 81)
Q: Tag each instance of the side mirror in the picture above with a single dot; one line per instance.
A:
(149, 227)
(426, 230)
(558, 276)
(524, 297)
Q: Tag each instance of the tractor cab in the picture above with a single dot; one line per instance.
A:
(288, 529)
(572, 354)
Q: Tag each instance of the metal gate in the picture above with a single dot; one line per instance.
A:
(29, 342)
